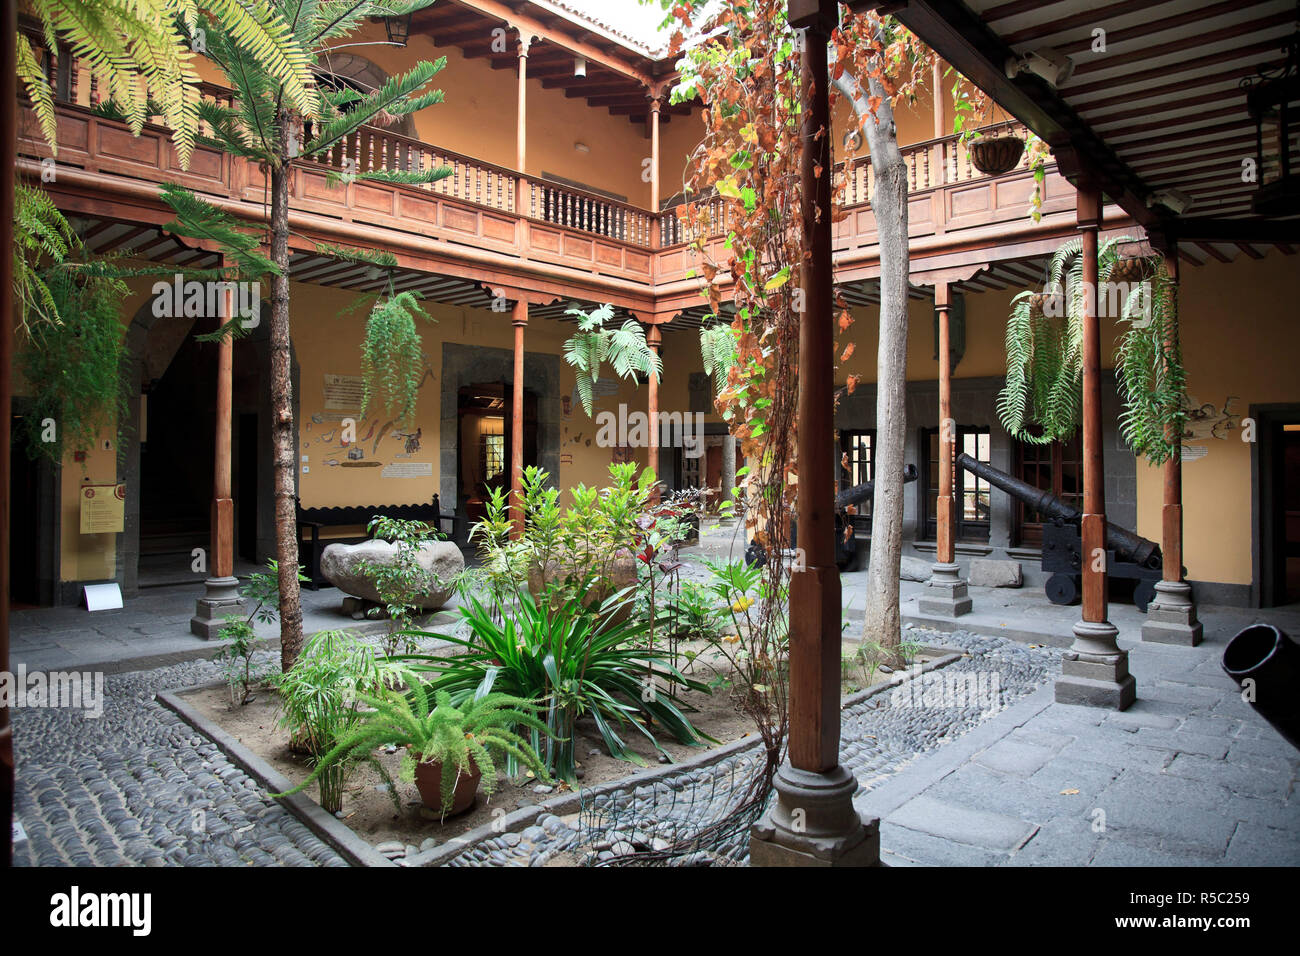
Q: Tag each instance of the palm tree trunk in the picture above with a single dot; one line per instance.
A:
(282, 424)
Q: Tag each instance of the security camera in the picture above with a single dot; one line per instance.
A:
(1049, 65)
(1173, 200)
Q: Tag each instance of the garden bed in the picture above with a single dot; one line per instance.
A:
(368, 809)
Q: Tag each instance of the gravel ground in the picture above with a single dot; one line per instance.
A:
(138, 786)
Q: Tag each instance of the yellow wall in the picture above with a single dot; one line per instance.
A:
(327, 342)
(1239, 341)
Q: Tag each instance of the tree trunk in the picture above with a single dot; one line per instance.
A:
(883, 621)
(282, 424)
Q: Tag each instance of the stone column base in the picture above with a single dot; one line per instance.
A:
(210, 611)
(945, 594)
(1171, 616)
(814, 823)
(1094, 671)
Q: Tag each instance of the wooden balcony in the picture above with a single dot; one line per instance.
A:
(948, 198)
(533, 226)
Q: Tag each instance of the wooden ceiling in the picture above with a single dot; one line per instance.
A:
(1161, 108)
(617, 75)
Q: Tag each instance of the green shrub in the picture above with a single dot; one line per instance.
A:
(476, 733)
(579, 659)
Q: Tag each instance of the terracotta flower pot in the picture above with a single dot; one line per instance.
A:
(428, 780)
(996, 155)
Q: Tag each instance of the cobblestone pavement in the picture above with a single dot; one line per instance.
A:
(138, 786)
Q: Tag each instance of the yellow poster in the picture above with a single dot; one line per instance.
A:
(103, 508)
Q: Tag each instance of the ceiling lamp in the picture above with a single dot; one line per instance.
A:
(579, 66)
(1272, 100)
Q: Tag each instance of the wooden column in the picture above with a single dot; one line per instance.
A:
(223, 506)
(655, 102)
(1171, 543)
(1171, 615)
(654, 338)
(8, 161)
(519, 319)
(815, 590)
(1095, 607)
(945, 551)
(813, 821)
(521, 122)
(221, 588)
(1094, 671)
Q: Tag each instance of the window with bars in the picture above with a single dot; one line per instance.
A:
(857, 465)
(972, 518)
(1057, 468)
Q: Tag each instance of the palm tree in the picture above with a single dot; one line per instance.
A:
(139, 53)
(265, 126)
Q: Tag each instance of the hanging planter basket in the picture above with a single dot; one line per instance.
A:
(1037, 305)
(1132, 269)
(996, 155)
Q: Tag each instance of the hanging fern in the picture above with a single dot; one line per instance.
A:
(1041, 400)
(1149, 370)
(41, 234)
(391, 356)
(718, 352)
(625, 348)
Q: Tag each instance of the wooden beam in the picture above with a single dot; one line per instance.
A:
(523, 22)
(966, 42)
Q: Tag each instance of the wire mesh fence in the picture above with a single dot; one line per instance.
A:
(700, 817)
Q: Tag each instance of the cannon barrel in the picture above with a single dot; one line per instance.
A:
(1126, 544)
(860, 493)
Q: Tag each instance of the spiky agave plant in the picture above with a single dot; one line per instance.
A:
(424, 721)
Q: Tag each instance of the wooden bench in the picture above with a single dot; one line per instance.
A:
(316, 519)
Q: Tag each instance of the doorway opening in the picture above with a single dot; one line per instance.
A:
(177, 460)
(484, 453)
(34, 521)
(1278, 497)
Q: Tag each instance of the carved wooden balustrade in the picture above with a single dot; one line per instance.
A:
(498, 209)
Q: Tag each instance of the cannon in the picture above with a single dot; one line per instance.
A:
(845, 550)
(1128, 555)
(1266, 662)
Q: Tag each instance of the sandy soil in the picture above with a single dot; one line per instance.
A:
(368, 808)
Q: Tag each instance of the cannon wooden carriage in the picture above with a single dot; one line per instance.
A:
(1128, 555)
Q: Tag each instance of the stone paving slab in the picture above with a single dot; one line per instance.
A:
(961, 824)
(1189, 776)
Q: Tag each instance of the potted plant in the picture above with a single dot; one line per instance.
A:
(450, 751)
